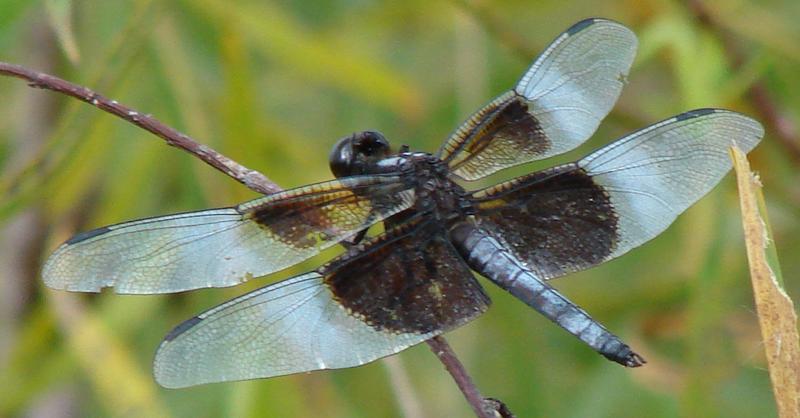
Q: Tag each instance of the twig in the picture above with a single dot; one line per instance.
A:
(253, 179)
(250, 178)
(483, 407)
(783, 128)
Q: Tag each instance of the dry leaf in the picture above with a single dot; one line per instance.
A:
(776, 314)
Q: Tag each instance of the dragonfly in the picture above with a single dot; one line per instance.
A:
(414, 280)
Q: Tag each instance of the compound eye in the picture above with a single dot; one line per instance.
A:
(342, 157)
(371, 144)
(357, 153)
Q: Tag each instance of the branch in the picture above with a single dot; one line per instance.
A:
(483, 407)
(250, 178)
(254, 180)
(783, 128)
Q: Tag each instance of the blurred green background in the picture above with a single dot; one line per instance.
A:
(273, 84)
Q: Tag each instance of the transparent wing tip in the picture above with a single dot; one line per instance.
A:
(749, 131)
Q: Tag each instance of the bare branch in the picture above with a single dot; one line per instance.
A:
(250, 178)
(483, 407)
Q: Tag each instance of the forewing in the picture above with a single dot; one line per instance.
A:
(378, 299)
(556, 106)
(578, 215)
(224, 247)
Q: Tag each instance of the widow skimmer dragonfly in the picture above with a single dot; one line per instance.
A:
(414, 280)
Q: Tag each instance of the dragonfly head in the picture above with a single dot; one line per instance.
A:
(357, 153)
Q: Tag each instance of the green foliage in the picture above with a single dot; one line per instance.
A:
(272, 85)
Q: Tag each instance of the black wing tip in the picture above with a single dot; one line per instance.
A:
(181, 328)
(585, 23)
(696, 113)
(756, 125)
(83, 236)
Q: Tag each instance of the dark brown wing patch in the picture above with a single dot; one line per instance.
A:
(308, 219)
(501, 134)
(408, 280)
(313, 219)
(556, 221)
